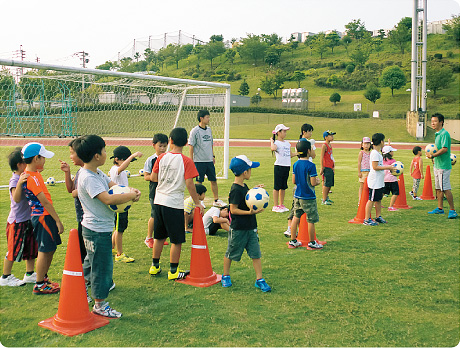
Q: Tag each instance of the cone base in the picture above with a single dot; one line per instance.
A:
(201, 282)
(65, 327)
(428, 198)
(402, 207)
(356, 221)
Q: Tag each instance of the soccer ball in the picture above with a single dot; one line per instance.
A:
(120, 189)
(257, 198)
(431, 148)
(453, 158)
(141, 172)
(128, 173)
(399, 168)
(50, 181)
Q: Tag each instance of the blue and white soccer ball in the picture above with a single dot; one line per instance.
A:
(141, 172)
(257, 198)
(453, 158)
(399, 168)
(128, 173)
(431, 148)
(50, 181)
(120, 189)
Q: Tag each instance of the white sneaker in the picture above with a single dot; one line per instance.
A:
(11, 280)
(283, 209)
(295, 243)
(219, 203)
(315, 245)
(276, 209)
(287, 233)
(30, 279)
(105, 310)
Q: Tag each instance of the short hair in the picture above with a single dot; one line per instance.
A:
(87, 146)
(179, 136)
(416, 149)
(202, 113)
(302, 147)
(200, 189)
(15, 158)
(72, 142)
(29, 160)
(160, 138)
(377, 138)
(439, 116)
(306, 127)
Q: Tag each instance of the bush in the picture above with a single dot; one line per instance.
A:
(255, 99)
(195, 75)
(237, 76)
(450, 54)
(326, 114)
(438, 55)
(350, 68)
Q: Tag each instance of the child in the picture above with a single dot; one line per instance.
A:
(282, 150)
(243, 228)
(375, 181)
(122, 157)
(47, 225)
(391, 181)
(98, 222)
(305, 178)
(173, 171)
(416, 171)
(364, 165)
(19, 231)
(215, 219)
(189, 206)
(160, 144)
(327, 166)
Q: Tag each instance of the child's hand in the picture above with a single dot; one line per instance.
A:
(360, 175)
(60, 227)
(272, 141)
(393, 170)
(137, 192)
(64, 166)
(23, 178)
(138, 154)
(256, 211)
(318, 180)
(260, 185)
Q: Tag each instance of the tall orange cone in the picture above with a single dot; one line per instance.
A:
(201, 273)
(73, 316)
(401, 201)
(361, 214)
(427, 194)
(304, 233)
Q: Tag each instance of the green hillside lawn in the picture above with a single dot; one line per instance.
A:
(391, 285)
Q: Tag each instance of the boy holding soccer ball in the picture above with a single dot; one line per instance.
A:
(243, 228)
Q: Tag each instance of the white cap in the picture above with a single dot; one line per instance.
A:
(280, 127)
(35, 149)
(388, 149)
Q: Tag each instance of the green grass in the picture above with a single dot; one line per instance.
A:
(391, 285)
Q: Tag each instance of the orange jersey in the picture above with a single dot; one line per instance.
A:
(32, 188)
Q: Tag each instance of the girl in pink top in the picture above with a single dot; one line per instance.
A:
(364, 164)
(391, 181)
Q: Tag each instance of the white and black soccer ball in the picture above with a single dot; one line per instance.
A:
(119, 189)
(257, 198)
(453, 158)
(128, 173)
(50, 181)
(431, 148)
(141, 172)
(399, 166)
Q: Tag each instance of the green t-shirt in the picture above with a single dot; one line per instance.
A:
(442, 139)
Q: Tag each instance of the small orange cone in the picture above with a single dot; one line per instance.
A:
(73, 316)
(201, 273)
(401, 201)
(427, 194)
(304, 234)
(361, 214)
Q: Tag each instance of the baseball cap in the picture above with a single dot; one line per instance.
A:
(388, 149)
(303, 146)
(366, 140)
(328, 132)
(34, 149)
(122, 153)
(241, 163)
(280, 127)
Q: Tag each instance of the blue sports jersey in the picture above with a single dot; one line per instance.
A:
(303, 171)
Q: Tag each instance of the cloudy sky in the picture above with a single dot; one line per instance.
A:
(55, 30)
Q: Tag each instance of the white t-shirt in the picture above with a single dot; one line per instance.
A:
(375, 179)
(208, 218)
(119, 179)
(283, 153)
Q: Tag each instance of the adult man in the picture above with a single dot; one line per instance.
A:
(442, 166)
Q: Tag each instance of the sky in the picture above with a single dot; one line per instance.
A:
(54, 30)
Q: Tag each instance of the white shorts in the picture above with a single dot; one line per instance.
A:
(442, 179)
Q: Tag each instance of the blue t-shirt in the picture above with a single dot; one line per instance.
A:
(303, 170)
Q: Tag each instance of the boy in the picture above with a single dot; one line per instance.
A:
(122, 157)
(98, 222)
(416, 171)
(327, 166)
(375, 181)
(189, 206)
(46, 223)
(19, 232)
(173, 171)
(160, 144)
(305, 178)
(202, 153)
(215, 219)
(243, 228)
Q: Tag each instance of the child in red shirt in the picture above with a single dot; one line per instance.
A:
(416, 172)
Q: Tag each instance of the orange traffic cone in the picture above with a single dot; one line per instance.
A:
(304, 234)
(201, 273)
(73, 316)
(361, 214)
(401, 201)
(427, 194)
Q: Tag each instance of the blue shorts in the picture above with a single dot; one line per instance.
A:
(46, 233)
(205, 168)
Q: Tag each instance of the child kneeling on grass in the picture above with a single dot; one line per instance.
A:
(216, 218)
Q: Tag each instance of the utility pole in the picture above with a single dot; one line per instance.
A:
(84, 60)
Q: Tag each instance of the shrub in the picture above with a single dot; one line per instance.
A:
(326, 114)
(335, 98)
(195, 75)
(438, 55)
(350, 68)
(450, 54)
(255, 99)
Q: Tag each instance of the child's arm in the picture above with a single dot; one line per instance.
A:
(315, 181)
(273, 147)
(191, 152)
(360, 158)
(69, 184)
(234, 210)
(312, 151)
(126, 163)
(50, 209)
(148, 176)
(219, 220)
(115, 199)
(75, 193)
(192, 190)
(421, 166)
(293, 178)
(16, 192)
(412, 167)
(323, 152)
(375, 166)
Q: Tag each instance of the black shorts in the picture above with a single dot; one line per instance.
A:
(169, 222)
(281, 177)
(205, 168)
(46, 233)
(122, 224)
(392, 187)
(213, 228)
(328, 177)
(82, 242)
(375, 195)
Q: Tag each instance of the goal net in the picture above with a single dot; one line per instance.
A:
(53, 104)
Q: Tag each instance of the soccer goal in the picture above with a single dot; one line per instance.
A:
(52, 103)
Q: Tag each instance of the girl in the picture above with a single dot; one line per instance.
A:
(364, 165)
(282, 150)
(391, 181)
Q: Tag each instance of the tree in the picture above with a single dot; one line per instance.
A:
(216, 38)
(298, 76)
(402, 34)
(272, 39)
(333, 40)
(212, 50)
(230, 55)
(108, 65)
(137, 55)
(355, 29)
(320, 44)
(438, 76)
(310, 42)
(335, 98)
(244, 88)
(360, 54)
(346, 41)
(268, 85)
(393, 77)
(6, 86)
(453, 28)
(252, 48)
(372, 93)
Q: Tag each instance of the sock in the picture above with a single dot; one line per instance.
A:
(156, 262)
(173, 267)
(289, 229)
(4, 276)
(30, 273)
(40, 284)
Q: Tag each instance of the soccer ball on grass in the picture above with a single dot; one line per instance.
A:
(141, 172)
(399, 168)
(120, 189)
(50, 181)
(128, 173)
(257, 198)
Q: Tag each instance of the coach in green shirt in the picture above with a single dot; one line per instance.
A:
(442, 166)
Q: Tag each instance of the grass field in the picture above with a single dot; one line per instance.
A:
(390, 285)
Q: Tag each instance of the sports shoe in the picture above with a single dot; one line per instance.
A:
(315, 245)
(103, 309)
(112, 286)
(226, 281)
(370, 222)
(436, 211)
(392, 209)
(276, 209)
(294, 243)
(44, 289)
(326, 202)
(282, 208)
(178, 275)
(381, 220)
(149, 242)
(114, 252)
(11, 280)
(262, 285)
(30, 279)
(287, 233)
(50, 283)
(329, 200)
(417, 198)
(452, 214)
(154, 270)
(123, 258)
(219, 203)
(88, 298)
(412, 194)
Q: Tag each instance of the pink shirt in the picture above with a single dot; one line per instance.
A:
(388, 176)
(365, 161)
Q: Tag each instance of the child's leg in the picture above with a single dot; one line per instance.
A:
(227, 264)
(30, 264)
(361, 185)
(7, 266)
(225, 226)
(393, 200)
(294, 224)
(369, 205)
(276, 197)
(43, 264)
(311, 231)
(282, 193)
(157, 248)
(378, 208)
(174, 254)
(325, 192)
(150, 228)
(114, 238)
(215, 190)
(119, 242)
(257, 263)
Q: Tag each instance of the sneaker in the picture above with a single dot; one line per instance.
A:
(123, 258)
(50, 283)
(149, 242)
(329, 200)
(114, 252)
(103, 309)
(11, 280)
(294, 243)
(178, 275)
(436, 211)
(276, 209)
(326, 202)
(30, 279)
(412, 194)
(226, 281)
(392, 209)
(44, 289)
(112, 286)
(262, 285)
(370, 222)
(88, 298)
(452, 214)
(154, 270)
(287, 233)
(418, 198)
(219, 203)
(315, 245)
(282, 208)
(381, 220)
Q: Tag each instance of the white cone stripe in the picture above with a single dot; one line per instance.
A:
(195, 246)
(72, 273)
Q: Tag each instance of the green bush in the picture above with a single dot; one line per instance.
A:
(195, 75)
(326, 114)
(438, 55)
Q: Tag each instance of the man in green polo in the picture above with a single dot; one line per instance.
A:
(442, 166)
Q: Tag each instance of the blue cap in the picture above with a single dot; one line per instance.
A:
(328, 132)
(241, 163)
(34, 149)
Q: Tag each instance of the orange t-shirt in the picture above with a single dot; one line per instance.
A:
(416, 174)
(32, 187)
